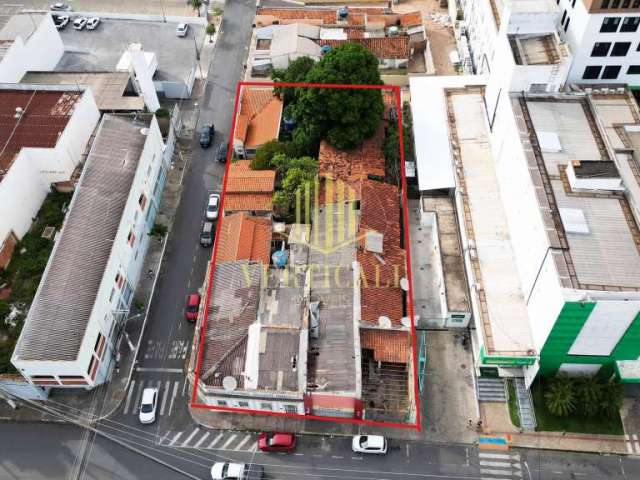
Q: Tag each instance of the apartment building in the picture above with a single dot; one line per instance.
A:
(548, 218)
(70, 335)
(604, 36)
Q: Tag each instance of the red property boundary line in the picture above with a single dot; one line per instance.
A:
(405, 214)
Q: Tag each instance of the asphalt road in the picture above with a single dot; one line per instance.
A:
(50, 451)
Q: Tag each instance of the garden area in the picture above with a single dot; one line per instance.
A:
(578, 404)
(20, 280)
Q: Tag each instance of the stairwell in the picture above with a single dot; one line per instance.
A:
(525, 406)
(491, 390)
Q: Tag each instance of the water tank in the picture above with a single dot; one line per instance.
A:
(325, 49)
(393, 31)
(288, 124)
(343, 12)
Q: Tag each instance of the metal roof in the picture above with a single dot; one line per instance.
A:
(60, 312)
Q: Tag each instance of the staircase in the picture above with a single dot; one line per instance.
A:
(525, 406)
(491, 390)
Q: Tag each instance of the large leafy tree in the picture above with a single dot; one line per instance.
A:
(296, 72)
(345, 117)
(560, 396)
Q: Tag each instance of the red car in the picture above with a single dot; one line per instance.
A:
(191, 310)
(277, 442)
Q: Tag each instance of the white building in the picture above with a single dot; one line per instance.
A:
(546, 193)
(72, 329)
(45, 134)
(605, 38)
(28, 42)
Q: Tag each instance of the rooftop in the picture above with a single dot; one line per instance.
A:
(259, 117)
(109, 89)
(21, 25)
(243, 237)
(247, 189)
(382, 47)
(45, 114)
(55, 325)
(534, 49)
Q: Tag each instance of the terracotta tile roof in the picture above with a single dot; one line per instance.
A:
(386, 20)
(259, 117)
(411, 19)
(352, 165)
(376, 302)
(393, 346)
(385, 47)
(354, 32)
(248, 190)
(327, 16)
(44, 118)
(243, 237)
(248, 202)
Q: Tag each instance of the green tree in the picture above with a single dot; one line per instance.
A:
(560, 396)
(296, 72)
(196, 4)
(211, 30)
(265, 153)
(345, 117)
(611, 398)
(589, 393)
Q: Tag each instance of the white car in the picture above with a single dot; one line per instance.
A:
(60, 7)
(369, 444)
(182, 29)
(79, 23)
(213, 205)
(92, 23)
(227, 471)
(148, 405)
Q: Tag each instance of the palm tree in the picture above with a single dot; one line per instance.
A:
(560, 397)
(611, 399)
(589, 390)
(196, 4)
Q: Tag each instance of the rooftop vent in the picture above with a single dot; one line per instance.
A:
(384, 321)
(19, 112)
(574, 221)
(229, 383)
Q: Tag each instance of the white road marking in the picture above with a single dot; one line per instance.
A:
(201, 441)
(184, 385)
(129, 395)
(159, 370)
(244, 440)
(336, 456)
(485, 463)
(173, 396)
(502, 456)
(138, 396)
(175, 438)
(230, 441)
(165, 396)
(493, 471)
(356, 458)
(193, 434)
(636, 443)
(626, 437)
(299, 454)
(216, 440)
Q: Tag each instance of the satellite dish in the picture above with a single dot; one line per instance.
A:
(384, 321)
(406, 321)
(229, 383)
(144, 131)
(404, 284)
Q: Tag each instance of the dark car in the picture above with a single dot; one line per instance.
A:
(206, 135)
(191, 308)
(277, 442)
(206, 234)
(222, 152)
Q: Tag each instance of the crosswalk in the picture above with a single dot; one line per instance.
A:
(500, 466)
(633, 444)
(168, 390)
(201, 439)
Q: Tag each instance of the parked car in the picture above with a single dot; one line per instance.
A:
(369, 444)
(191, 309)
(236, 471)
(92, 23)
(213, 204)
(206, 234)
(148, 405)
(221, 155)
(182, 29)
(206, 135)
(79, 23)
(277, 442)
(60, 7)
(60, 21)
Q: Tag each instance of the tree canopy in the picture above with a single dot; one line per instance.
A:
(345, 117)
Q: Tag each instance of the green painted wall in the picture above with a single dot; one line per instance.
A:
(564, 332)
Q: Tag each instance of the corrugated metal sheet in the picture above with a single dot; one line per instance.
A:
(59, 315)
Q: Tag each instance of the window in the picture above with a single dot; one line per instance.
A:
(625, 3)
(142, 201)
(243, 404)
(72, 380)
(604, 4)
(222, 403)
(633, 70)
(119, 280)
(610, 25)
(93, 367)
(615, 3)
(113, 291)
(573, 3)
(636, 4)
(620, 49)
(630, 24)
(265, 406)
(611, 72)
(131, 238)
(601, 49)
(564, 16)
(44, 380)
(566, 25)
(591, 72)
(290, 409)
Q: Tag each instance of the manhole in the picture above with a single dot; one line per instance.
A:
(463, 366)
